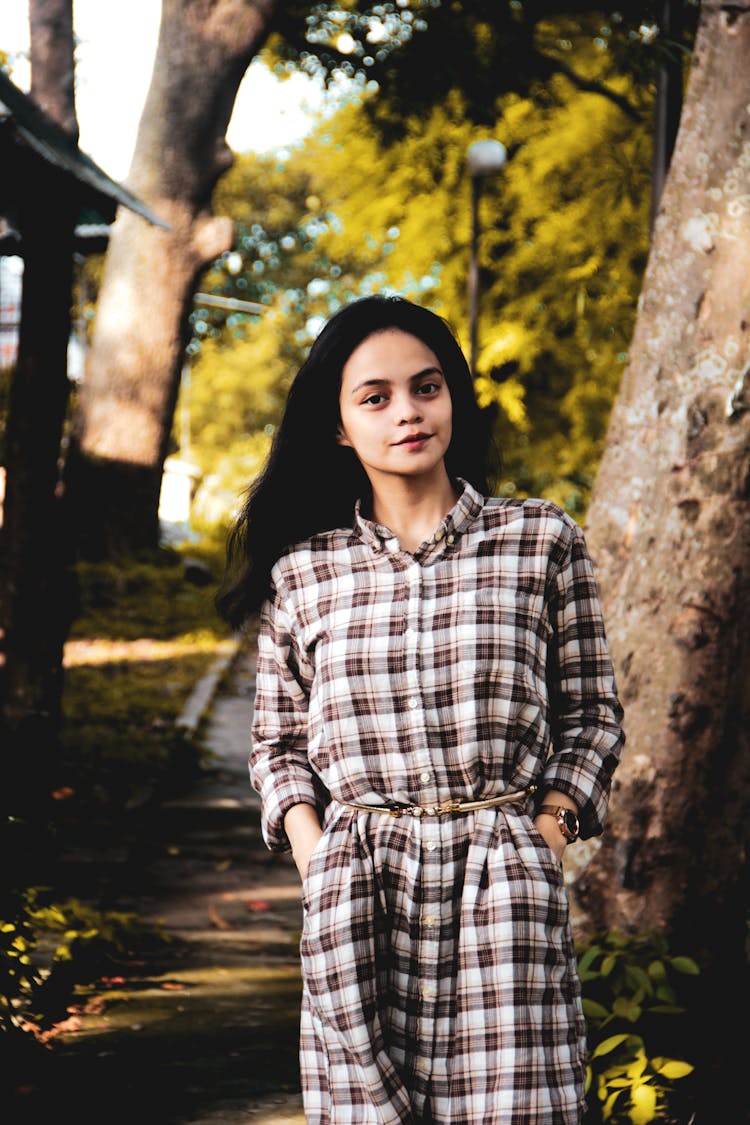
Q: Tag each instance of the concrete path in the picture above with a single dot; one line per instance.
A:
(206, 1032)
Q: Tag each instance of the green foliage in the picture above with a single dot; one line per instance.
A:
(635, 997)
(416, 52)
(48, 948)
(19, 975)
(563, 244)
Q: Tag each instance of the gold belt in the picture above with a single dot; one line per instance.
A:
(444, 808)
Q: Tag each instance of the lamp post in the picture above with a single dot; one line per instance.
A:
(485, 158)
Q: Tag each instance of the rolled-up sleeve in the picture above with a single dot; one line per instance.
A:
(279, 768)
(585, 712)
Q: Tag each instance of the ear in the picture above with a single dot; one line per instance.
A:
(341, 437)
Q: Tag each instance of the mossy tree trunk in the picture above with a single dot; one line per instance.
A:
(126, 406)
(669, 531)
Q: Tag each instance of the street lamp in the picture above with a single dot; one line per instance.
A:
(485, 158)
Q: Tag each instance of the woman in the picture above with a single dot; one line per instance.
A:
(435, 719)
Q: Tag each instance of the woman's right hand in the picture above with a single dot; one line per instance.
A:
(302, 826)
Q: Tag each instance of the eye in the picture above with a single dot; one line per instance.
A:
(374, 399)
(429, 388)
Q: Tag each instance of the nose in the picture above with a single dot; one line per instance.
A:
(409, 412)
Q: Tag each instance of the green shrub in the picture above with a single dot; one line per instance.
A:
(635, 997)
(49, 948)
(151, 597)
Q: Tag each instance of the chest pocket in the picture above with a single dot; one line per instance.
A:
(521, 608)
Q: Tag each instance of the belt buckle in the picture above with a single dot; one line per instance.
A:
(431, 810)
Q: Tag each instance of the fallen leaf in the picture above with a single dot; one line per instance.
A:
(257, 904)
(64, 793)
(95, 1005)
(72, 1023)
(218, 921)
(172, 986)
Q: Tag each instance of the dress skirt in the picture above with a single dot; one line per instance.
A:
(438, 960)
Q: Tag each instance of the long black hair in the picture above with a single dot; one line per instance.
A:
(310, 483)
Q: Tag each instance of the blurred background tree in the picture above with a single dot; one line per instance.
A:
(414, 66)
(379, 197)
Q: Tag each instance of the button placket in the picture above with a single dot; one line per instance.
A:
(414, 700)
(429, 950)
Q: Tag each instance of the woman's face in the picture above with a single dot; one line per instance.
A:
(395, 407)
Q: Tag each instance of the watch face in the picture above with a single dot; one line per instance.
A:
(571, 823)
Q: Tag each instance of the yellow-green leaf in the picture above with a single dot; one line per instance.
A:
(685, 965)
(673, 1068)
(593, 1010)
(643, 1105)
(608, 1045)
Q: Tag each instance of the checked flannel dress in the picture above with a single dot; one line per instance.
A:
(436, 953)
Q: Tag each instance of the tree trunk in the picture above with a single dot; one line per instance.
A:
(669, 531)
(53, 61)
(36, 601)
(128, 396)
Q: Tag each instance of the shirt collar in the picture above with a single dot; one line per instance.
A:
(459, 518)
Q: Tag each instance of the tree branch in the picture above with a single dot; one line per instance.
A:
(590, 85)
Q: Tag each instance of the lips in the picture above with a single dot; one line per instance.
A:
(411, 439)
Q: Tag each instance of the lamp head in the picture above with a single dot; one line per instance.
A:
(486, 157)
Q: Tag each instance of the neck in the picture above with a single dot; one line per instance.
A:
(413, 507)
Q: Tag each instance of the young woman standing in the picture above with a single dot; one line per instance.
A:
(435, 720)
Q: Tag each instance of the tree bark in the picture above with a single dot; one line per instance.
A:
(669, 531)
(52, 55)
(127, 401)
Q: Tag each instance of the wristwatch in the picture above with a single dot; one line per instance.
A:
(567, 821)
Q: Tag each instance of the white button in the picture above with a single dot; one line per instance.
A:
(411, 632)
(425, 776)
(438, 535)
(450, 539)
(430, 919)
(413, 703)
(431, 846)
(429, 991)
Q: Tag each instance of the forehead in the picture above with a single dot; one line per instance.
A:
(389, 353)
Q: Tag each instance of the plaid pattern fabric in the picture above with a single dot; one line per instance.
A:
(437, 956)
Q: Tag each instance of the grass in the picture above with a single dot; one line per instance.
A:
(147, 631)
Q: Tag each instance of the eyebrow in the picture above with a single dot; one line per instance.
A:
(385, 382)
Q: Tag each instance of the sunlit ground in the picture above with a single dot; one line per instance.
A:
(104, 651)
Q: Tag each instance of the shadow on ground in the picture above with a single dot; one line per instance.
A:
(202, 1030)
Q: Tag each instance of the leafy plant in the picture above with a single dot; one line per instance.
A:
(48, 948)
(634, 995)
(19, 975)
